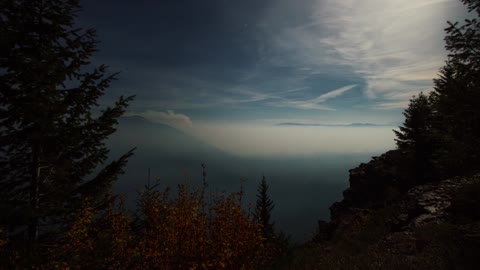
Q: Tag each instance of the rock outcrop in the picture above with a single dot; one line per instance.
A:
(432, 203)
(430, 226)
(376, 187)
(371, 184)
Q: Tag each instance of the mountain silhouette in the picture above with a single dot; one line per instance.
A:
(155, 139)
(335, 125)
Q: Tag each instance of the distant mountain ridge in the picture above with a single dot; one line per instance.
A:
(158, 138)
(336, 125)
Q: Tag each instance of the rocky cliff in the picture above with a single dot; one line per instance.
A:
(381, 223)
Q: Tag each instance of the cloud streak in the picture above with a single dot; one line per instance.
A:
(168, 117)
(333, 94)
(395, 47)
(392, 105)
(315, 103)
(391, 44)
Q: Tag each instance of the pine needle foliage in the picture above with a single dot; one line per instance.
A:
(53, 131)
(263, 209)
(442, 130)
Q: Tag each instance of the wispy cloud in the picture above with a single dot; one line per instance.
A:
(168, 117)
(315, 103)
(391, 45)
(385, 50)
(392, 105)
(304, 105)
(333, 94)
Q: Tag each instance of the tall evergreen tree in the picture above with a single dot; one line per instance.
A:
(456, 95)
(263, 209)
(52, 130)
(443, 130)
(417, 125)
(415, 138)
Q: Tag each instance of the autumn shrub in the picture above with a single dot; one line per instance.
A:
(97, 239)
(237, 240)
(190, 230)
(172, 232)
(187, 232)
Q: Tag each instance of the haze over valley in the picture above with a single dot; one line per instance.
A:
(304, 180)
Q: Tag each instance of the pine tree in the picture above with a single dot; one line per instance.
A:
(456, 95)
(417, 125)
(52, 130)
(263, 210)
(415, 138)
(443, 131)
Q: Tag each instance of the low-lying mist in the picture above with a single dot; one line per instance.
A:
(304, 180)
(271, 141)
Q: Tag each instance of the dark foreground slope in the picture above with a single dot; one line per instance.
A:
(429, 226)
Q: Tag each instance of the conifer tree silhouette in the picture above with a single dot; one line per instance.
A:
(263, 209)
(415, 137)
(53, 131)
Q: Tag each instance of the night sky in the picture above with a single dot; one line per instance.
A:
(228, 72)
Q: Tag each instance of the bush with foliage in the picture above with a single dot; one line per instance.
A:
(180, 232)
